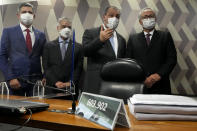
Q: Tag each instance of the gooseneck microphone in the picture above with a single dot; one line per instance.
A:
(72, 111)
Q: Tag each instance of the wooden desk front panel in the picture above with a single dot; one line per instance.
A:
(63, 121)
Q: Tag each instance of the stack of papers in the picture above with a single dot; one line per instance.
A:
(163, 107)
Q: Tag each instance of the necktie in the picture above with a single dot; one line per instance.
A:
(28, 41)
(148, 38)
(63, 49)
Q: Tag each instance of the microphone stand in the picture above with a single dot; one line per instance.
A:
(71, 76)
(72, 111)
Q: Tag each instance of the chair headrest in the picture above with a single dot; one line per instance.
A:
(124, 70)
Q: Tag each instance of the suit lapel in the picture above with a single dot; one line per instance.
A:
(57, 50)
(142, 40)
(36, 44)
(155, 37)
(21, 37)
(119, 45)
(108, 46)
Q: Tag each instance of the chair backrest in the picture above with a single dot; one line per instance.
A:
(122, 78)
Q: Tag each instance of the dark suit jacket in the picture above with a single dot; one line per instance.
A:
(14, 56)
(98, 54)
(159, 57)
(57, 70)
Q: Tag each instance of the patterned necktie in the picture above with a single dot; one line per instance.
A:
(63, 49)
(148, 38)
(28, 41)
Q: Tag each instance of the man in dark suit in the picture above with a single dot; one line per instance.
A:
(57, 58)
(101, 45)
(155, 50)
(21, 49)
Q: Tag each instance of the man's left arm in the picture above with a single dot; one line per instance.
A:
(171, 57)
(4, 55)
(167, 67)
(79, 66)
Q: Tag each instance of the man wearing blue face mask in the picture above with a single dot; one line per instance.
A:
(155, 50)
(101, 45)
(21, 49)
(57, 58)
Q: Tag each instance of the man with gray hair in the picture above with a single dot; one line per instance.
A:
(57, 58)
(20, 52)
(155, 50)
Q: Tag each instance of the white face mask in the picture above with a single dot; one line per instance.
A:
(149, 23)
(26, 18)
(112, 23)
(65, 32)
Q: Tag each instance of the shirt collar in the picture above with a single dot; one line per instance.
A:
(151, 33)
(60, 40)
(23, 28)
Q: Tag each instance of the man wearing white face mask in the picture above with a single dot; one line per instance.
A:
(21, 49)
(57, 58)
(101, 45)
(155, 50)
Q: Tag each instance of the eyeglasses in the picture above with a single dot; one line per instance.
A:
(148, 16)
(64, 26)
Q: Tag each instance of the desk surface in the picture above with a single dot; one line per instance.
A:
(60, 121)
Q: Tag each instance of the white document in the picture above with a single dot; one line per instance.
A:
(160, 109)
(157, 116)
(163, 100)
(143, 116)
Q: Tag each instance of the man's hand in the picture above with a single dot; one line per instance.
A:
(44, 81)
(66, 84)
(60, 84)
(105, 34)
(152, 79)
(15, 84)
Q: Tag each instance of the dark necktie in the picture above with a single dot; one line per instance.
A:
(148, 38)
(28, 41)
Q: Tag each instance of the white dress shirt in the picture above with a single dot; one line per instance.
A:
(113, 41)
(23, 28)
(151, 34)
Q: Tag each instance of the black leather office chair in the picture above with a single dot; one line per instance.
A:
(122, 78)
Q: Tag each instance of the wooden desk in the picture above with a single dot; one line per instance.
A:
(63, 121)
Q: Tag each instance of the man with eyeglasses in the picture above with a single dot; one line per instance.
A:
(155, 50)
(57, 59)
(20, 52)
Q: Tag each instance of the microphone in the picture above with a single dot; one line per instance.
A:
(72, 111)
